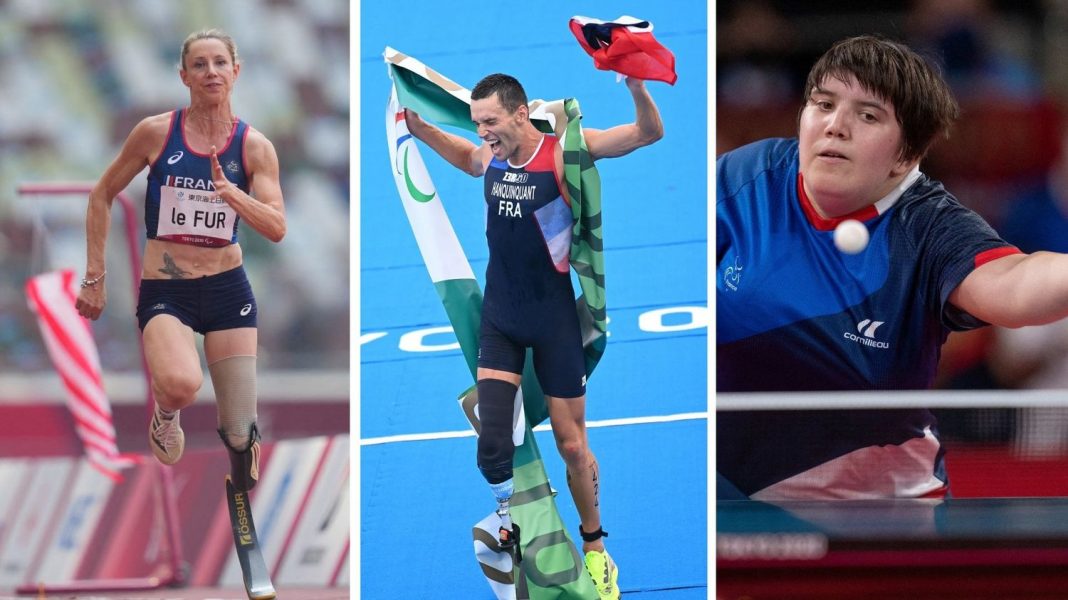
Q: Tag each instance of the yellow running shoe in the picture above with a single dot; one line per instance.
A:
(604, 573)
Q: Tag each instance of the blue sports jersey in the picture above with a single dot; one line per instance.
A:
(180, 201)
(793, 313)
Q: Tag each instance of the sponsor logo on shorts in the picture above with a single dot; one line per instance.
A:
(177, 156)
(583, 381)
(245, 310)
(159, 306)
(867, 329)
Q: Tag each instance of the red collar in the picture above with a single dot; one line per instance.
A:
(822, 223)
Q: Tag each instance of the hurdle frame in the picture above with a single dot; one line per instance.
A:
(177, 574)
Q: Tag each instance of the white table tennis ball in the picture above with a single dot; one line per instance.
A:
(851, 236)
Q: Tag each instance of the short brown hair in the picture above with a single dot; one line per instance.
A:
(205, 34)
(921, 98)
(509, 91)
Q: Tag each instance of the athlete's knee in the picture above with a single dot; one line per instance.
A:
(496, 403)
(575, 452)
(175, 390)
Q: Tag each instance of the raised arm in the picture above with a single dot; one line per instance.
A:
(1017, 290)
(264, 210)
(623, 139)
(145, 139)
(459, 152)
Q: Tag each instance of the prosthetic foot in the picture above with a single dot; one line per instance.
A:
(508, 534)
(244, 461)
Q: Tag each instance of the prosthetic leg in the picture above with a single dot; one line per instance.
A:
(234, 379)
(256, 577)
(244, 461)
(496, 403)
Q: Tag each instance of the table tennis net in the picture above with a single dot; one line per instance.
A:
(997, 443)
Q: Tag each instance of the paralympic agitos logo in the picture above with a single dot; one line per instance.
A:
(416, 194)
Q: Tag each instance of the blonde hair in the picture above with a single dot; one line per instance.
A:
(208, 34)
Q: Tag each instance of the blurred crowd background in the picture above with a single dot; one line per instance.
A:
(1006, 157)
(77, 76)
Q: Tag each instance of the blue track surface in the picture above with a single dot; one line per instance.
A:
(420, 499)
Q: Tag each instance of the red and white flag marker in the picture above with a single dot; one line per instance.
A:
(70, 345)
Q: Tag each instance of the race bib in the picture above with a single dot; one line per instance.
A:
(197, 217)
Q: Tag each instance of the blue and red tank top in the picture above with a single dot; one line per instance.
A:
(528, 228)
(180, 201)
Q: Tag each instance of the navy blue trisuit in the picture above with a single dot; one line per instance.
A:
(529, 300)
(793, 313)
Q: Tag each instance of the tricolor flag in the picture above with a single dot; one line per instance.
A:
(70, 345)
(625, 46)
(552, 567)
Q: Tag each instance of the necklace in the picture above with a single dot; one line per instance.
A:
(203, 118)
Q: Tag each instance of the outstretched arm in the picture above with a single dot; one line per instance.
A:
(623, 139)
(1017, 290)
(458, 151)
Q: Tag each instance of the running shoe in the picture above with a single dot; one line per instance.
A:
(604, 573)
(166, 438)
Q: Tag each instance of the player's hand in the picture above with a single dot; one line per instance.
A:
(414, 121)
(223, 186)
(91, 301)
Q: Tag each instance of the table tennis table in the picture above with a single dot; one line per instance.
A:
(975, 548)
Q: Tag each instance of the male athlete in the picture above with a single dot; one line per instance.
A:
(529, 300)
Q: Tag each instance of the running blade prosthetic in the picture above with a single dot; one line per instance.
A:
(253, 569)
